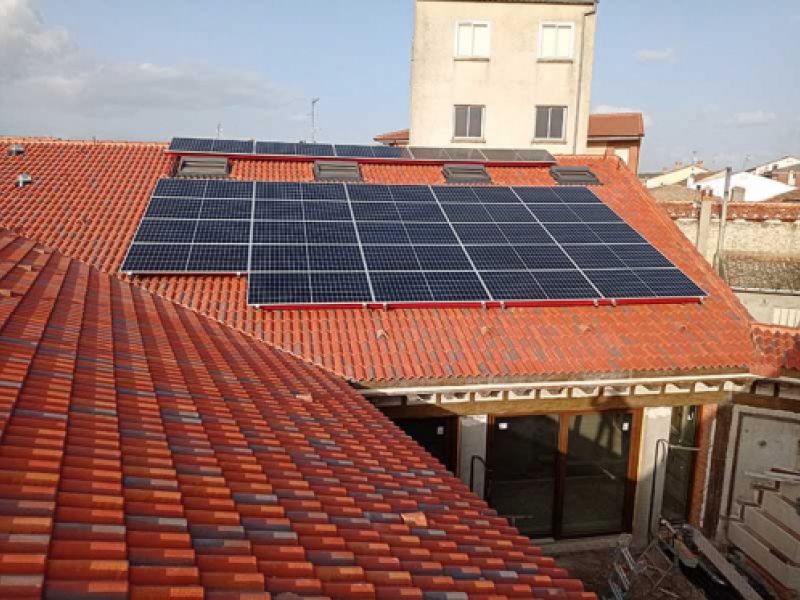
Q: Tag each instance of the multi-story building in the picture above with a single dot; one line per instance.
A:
(502, 73)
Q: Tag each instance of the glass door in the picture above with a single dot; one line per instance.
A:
(522, 461)
(596, 473)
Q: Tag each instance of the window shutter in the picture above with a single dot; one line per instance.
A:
(563, 41)
(549, 41)
(461, 121)
(464, 40)
(556, 123)
(542, 122)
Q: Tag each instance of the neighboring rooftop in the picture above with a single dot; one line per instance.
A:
(151, 452)
(393, 138)
(759, 271)
(87, 199)
(615, 126)
(778, 349)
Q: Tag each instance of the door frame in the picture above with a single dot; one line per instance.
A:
(637, 418)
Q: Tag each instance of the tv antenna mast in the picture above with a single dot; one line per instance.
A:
(314, 120)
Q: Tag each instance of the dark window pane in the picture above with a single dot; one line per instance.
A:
(461, 121)
(542, 119)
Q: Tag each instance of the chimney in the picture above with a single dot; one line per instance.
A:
(704, 220)
(792, 179)
(23, 180)
(737, 194)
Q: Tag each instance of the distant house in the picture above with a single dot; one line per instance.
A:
(755, 187)
(393, 138)
(680, 173)
(790, 175)
(786, 161)
(620, 134)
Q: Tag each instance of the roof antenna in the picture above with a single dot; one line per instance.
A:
(314, 120)
(219, 130)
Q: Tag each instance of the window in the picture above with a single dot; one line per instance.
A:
(556, 40)
(468, 122)
(203, 166)
(472, 39)
(465, 173)
(331, 170)
(550, 122)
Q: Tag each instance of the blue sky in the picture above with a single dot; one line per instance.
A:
(718, 77)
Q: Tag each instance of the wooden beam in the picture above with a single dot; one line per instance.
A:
(768, 402)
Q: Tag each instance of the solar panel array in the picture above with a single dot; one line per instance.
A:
(333, 243)
(352, 151)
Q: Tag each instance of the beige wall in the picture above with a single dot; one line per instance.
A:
(673, 177)
(511, 83)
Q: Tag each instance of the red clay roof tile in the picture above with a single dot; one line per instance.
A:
(207, 476)
(87, 200)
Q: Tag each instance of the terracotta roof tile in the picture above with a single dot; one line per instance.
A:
(87, 200)
(150, 452)
(616, 125)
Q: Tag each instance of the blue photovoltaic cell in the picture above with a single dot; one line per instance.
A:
(467, 213)
(576, 195)
(174, 208)
(391, 258)
(229, 189)
(383, 233)
(401, 287)
(594, 257)
(509, 213)
(457, 286)
(283, 232)
(222, 232)
(278, 210)
(280, 190)
(340, 287)
(442, 258)
(420, 212)
(576, 233)
(595, 213)
(375, 211)
(525, 233)
(544, 257)
(430, 233)
(410, 193)
(554, 213)
(188, 188)
(483, 233)
(279, 258)
(536, 195)
(170, 230)
(218, 258)
(455, 194)
(494, 258)
(668, 282)
(335, 258)
(619, 284)
(559, 285)
(640, 255)
(370, 193)
(330, 233)
(617, 233)
(156, 258)
(279, 288)
(413, 243)
(215, 208)
(495, 195)
(326, 210)
(281, 148)
(390, 152)
(514, 285)
(315, 150)
(192, 144)
(350, 150)
(323, 191)
(233, 146)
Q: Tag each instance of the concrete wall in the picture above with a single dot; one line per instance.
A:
(473, 441)
(776, 309)
(510, 83)
(768, 237)
(655, 426)
(759, 440)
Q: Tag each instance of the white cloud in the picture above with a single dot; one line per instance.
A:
(754, 117)
(646, 55)
(42, 70)
(610, 108)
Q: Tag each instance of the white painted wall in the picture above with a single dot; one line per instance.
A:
(756, 188)
(473, 441)
(786, 161)
(675, 176)
(655, 426)
(510, 83)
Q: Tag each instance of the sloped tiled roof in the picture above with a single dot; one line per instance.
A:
(401, 135)
(762, 271)
(778, 350)
(87, 199)
(612, 125)
(150, 452)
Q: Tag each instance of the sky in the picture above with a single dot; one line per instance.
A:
(716, 79)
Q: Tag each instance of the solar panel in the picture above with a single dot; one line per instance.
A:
(233, 146)
(334, 243)
(192, 144)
